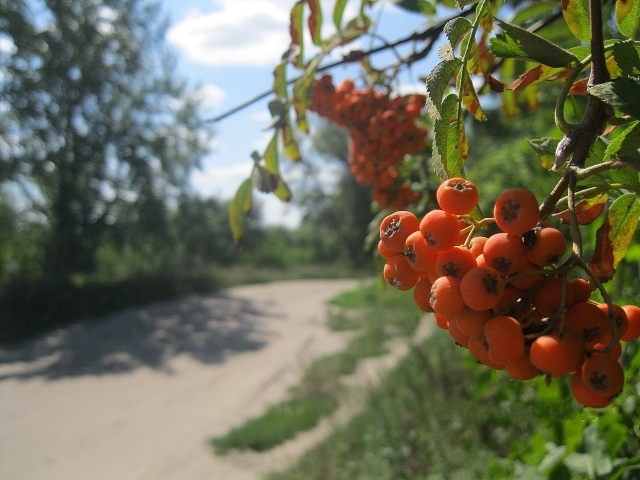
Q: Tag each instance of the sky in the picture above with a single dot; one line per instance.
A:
(227, 49)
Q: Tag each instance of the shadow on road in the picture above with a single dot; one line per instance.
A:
(207, 328)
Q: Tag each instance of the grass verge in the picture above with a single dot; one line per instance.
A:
(374, 315)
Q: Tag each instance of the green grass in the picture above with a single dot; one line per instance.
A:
(379, 315)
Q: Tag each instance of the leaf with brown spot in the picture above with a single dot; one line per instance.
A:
(315, 21)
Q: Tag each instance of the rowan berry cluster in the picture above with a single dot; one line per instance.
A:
(502, 297)
(382, 130)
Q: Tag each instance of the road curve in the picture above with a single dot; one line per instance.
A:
(136, 395)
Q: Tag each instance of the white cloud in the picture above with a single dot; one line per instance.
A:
(238, 32)
(220, 181)
(210, 96)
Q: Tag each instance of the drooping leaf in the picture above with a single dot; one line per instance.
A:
(271, 159)
(576, 14)
(263, 180)
(447, 149)
(535, 75)
(315, 21)
(470, 97)
(437, 83)
(291, 149)
(240, 205)
(516, 42)
(301, 102)
(625, 145)
(280, 81)
(282, 192)
(587, 210)
(628, 17)
(546, 150)
(338, 11)
(622, 93)
(295, 30)
(614, 236)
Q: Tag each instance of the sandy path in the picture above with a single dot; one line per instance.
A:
(137, 395)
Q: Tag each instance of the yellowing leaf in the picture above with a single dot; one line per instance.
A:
(587, 210)
(295, 31)
(315, 21)
(470, 98)
(628, 17)
(576, 14)
(240, 205)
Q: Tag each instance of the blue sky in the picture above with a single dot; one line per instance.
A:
(229, 49)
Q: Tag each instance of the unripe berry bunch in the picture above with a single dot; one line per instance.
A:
(381, 129)
(503, 297)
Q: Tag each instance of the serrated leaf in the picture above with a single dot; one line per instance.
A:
(546, 150)
(295, 31)
(576, 14)
(622, 93)
(338, 11)
(447, 148)
(485, 16)
(457, 28)
(587, 210)
(315, 21)
(516, 42)
(625, 144)
(437, 83)
(614, 236)
(628, 17)
(240, 205)
(470, 97)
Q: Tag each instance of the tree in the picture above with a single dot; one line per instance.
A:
(552, 312)
(96, 127)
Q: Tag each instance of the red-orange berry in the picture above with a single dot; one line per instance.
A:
(504, 339)
(633, 316)
(422, 295)
(505, 253)
(546, 246)
(548, 297)
(603, 375)
(481, 288)
(620, 317)
(471, 322)
(457, 195)
(420, 256)
(455, 262)
(478, 348)
(445, 296)
(399, 274)
(516, 211)
(440, 229)
(395, 229)
(557, 355)
(522, 368)
(385, 252)
(584, 395)
(590, 322)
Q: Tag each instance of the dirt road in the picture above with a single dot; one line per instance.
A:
(136, 396)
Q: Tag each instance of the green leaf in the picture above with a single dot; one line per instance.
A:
(628, 17)
(295, 31)
(464, 3)
(437, 83)
(516, 42)
(622, 93)
(338, 11)
(625, 144)
(576, 14)
(470, 97)
(280, 81)
(240, 205)
(419, 6)
(290, 145)
(447, 145)
(271, 159)
(301, 102)
(614, 235)
(545, 148)
(315, 21)
(282, 192)
(457, 28)
(627, 57)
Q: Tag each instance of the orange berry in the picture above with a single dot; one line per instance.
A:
(508, 301)
(546, 246)
(504, 339)
(445, 296)
(440, 229)
(399, 274)
(395, 229)
(420, 256)
(522, 368)
(589, 321)
(527, 277)
(459, 337)
(385, 252)
(603, 375)
(481, 288)
(556, 355)
(478, 348)
(471, 322)
(616, 351)
(505, 253)
(457, 195)
(633, 316)
(620, 317)
(441, 321)
(516, 211)
(422, 295)
(455, 262)
(582, 290)
(548, 297)
(584, 395)
(476, 245)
